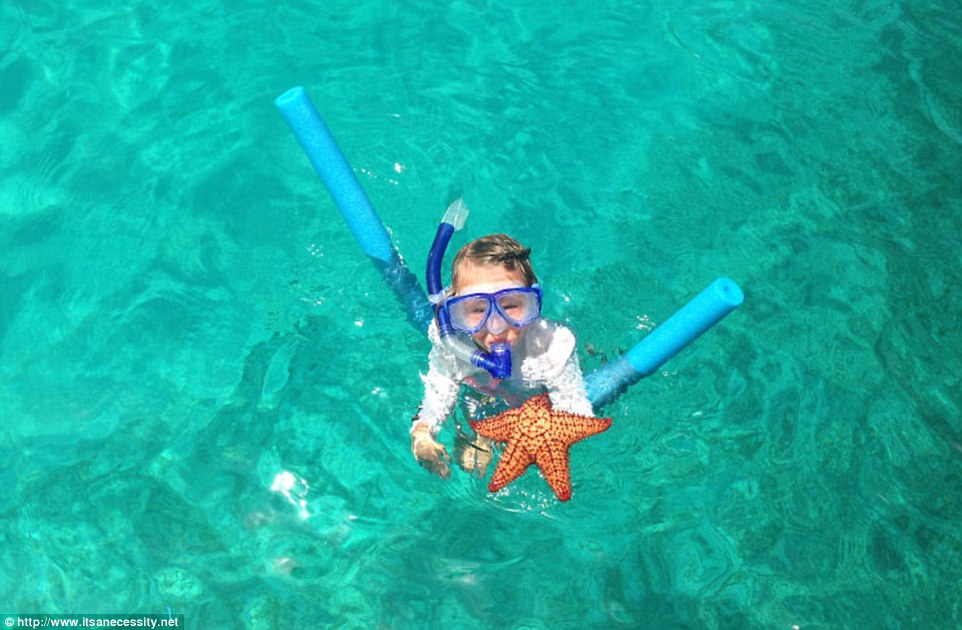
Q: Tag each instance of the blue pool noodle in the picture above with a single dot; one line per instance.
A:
(322, 150)
(701, 313)
(366, 226)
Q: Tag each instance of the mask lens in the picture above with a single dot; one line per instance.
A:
(468, 315)
(519, 307)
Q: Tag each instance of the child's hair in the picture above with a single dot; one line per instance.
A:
(491, 250)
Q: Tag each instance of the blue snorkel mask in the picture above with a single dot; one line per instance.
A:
(514, 306)
(498, 361)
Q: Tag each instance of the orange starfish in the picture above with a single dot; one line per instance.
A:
(537, 434)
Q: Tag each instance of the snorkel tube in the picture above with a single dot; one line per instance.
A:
(498, 362)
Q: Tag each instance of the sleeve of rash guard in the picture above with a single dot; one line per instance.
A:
(441, 385)
(567, 390)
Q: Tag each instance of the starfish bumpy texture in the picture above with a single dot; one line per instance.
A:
(538, 434)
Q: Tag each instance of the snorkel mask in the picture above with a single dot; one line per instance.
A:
(514, 306)
(498, 361)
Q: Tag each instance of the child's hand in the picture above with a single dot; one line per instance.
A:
(474, 456)
(429, 452)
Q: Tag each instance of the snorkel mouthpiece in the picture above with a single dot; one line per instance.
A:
(498, 362)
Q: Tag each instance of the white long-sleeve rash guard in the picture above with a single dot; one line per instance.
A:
(544, 359)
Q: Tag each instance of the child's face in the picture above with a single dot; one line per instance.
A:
(480, 279)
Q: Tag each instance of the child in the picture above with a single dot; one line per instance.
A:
(494, 298)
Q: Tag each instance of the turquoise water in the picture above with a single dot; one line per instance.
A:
(205, 388)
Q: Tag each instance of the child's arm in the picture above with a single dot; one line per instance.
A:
(567, 390)
(558, 368)
(440, 396)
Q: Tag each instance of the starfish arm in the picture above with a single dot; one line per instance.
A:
(575, 428)
(513, 462)
(499, 428)
(555, 465)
